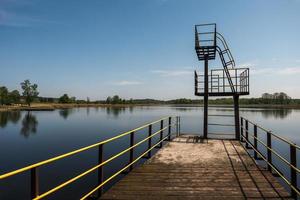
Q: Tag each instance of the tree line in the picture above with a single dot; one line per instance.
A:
(30, 94)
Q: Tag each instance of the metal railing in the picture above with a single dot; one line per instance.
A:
(270, 151)
(33, 169)
(218, 81)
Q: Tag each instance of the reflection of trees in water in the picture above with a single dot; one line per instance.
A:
(278, 113)
(29, 124)
(64, 113)
(115, 111)
(9, 116)
(131, 108)
(182, 108)
(268, 113)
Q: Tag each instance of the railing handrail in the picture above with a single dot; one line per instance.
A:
(38, 164)
(274, 134)
(35, 185)
(292, 164)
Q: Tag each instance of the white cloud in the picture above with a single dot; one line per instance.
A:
(172, 72)
(124, 83)
(289, 71)
(276, 71)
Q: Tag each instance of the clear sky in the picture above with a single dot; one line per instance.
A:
(143, 48)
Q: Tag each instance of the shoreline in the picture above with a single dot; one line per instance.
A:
(54, 106)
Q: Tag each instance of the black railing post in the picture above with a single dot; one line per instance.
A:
(242, 129)
(293, 160)
(177, 126)
(131, 150)
(179, 123)
(100, 169)
(255, 141)
(34, 179)
(247, 134)
(169, 129)
(269, 153)
(161, 132)
(149, 140)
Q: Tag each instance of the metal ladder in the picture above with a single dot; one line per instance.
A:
(226, 59)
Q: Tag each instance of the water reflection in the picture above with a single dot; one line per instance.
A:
(278, 113)
(183, 109)
(64, 113)
(115, 111)
(271, 113)
(29, 125)
(9, 116)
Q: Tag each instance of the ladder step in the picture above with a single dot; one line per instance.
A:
(220, 124)
(224, 51)
(221, 133)
(222, 115)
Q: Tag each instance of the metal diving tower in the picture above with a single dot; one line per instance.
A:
(228, 81)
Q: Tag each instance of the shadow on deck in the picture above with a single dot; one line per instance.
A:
(193, 168)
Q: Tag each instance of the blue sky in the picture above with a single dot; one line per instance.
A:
(143, 48)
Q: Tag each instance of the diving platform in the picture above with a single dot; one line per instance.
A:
(191, 168)
(219, 84)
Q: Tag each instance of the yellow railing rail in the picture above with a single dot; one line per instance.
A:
(34, 173)
(270, 151)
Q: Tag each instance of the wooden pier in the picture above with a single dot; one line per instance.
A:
(191, 168)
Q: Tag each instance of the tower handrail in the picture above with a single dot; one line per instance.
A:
(223, 41)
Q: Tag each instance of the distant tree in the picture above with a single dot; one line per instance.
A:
(283, 98)
(116, 99)
(108, 100)
(4, 95)
(73, 100)
(266, 96)
(131, 101)
(14, 96)
(88, 100)
(64, 99)
(30, 91)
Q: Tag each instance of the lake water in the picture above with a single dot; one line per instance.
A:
(29, 137)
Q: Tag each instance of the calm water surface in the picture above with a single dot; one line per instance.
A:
(29, 137)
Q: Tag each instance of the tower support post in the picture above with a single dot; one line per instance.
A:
(236, 116)
(205, 111)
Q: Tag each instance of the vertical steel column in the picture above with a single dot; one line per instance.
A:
(131, 150)
(34, 179)
(205, 97)
(293, 160)
(269, 153)
(237, 116)
(149, 140)
(255, 140)
(161, 132)
(100, 169)
(169, 129)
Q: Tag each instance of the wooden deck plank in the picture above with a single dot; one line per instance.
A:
(211, 169)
